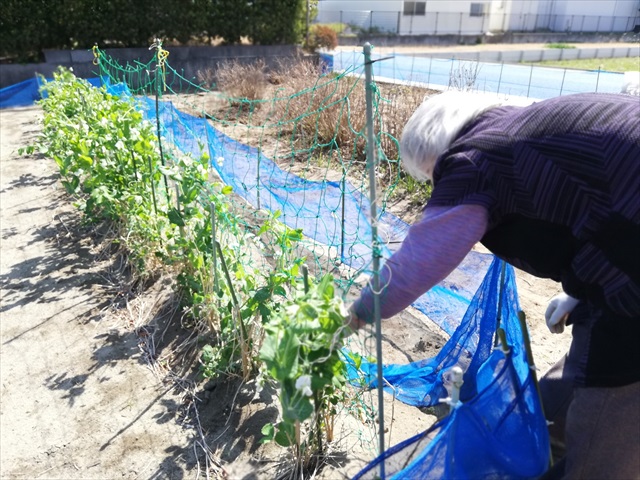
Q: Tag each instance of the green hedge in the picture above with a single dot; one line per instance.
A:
(27, 27)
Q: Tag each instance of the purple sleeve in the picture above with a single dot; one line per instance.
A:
(433, 248)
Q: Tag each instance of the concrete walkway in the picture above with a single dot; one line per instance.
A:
(512, 52)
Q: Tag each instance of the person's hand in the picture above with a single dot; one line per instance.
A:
(558, 311)
(353, 321)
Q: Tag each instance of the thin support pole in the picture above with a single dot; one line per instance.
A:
(214, 250)
(258, 179)
(371, 164)
(534, 376)
(530, 77)
(500, 77)
(153, 187)
(562, 84)
(305, 277)
(158, 76)
(135, 168)
(236, 304)
(503, 272)
(598, 78)
(343, 219)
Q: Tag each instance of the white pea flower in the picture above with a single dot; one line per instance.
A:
(119, 145)
(220, 161)
(303, 383)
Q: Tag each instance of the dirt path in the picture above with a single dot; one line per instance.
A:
(77, 399)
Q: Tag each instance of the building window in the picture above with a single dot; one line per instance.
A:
(415, 8)
(477, 10)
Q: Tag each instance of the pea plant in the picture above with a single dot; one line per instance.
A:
(107, 156)
(301, 353)
(239, 284)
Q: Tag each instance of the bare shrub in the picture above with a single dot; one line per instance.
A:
(241, 80)
(308, 112)
(465, 76)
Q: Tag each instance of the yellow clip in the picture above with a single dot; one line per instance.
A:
(96, 55)
(162, 57)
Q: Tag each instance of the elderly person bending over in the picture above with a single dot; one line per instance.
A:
(553, 189)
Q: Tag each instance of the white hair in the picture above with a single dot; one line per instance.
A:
(435, 125)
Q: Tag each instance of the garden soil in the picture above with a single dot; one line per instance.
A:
(96, 381)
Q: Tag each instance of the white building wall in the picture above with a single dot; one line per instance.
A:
(453, 16)
(446, 17)
(594, 16)
(364, 14)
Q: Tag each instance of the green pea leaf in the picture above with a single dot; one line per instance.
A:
(175, 217)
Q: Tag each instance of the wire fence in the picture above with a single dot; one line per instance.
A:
(422, 22)
(503, 78)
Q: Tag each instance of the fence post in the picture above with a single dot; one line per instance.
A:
(159, 75)
(530, 76)
(562, 84)
(436, 31)
(460, 25)
(398, 25)
(258, 178)
(307, 22)
(500, 77)
(375, 249)
(343, 219)
(214, 251)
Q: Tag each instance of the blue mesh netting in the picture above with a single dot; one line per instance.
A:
(499, 431)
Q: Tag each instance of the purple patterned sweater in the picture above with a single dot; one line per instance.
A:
(554, 189)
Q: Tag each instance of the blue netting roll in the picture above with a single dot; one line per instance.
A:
(499, 431)
(499, 434)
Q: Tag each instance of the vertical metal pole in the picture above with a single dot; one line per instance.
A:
(562, 84)
(598, 77)
(530, 76)
(258, 179)
(343, 195)
(500, 78)
(532, 367)
(371, 161)
(214, 252)
(158, 77)
(308, 15)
